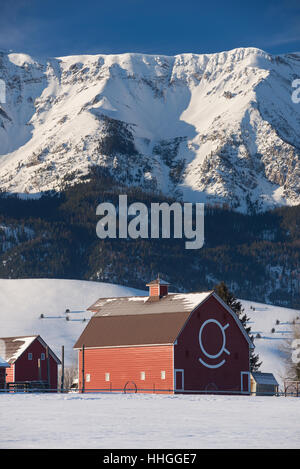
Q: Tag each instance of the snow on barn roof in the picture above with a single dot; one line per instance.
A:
(172, 303)
(264, 378)
(13, 347)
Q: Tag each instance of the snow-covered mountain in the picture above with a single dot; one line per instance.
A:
(220, 128)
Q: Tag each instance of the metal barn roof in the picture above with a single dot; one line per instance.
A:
(139, 320)
(132, 329)
(134, 320)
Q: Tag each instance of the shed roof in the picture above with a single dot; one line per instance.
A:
(13, 347)
(3, 363)
(264, 378)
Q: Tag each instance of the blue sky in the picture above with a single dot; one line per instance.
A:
(64, 27)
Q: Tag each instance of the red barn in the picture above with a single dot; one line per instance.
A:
(24, 354)
(169, 343)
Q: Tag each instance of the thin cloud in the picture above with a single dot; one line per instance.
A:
(282, 40)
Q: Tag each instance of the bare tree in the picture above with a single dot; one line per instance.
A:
(71, 373)
(291, 350)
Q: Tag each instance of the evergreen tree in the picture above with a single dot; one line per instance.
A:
(223, 292)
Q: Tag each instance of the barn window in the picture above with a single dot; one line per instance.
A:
(88, 378)
(107, 376)
(143, 375)
(30, 356)
(42, 356)
(163, 374)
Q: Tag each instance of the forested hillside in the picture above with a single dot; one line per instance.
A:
(258, 255)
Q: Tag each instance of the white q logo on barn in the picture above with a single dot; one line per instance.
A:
(222, 349)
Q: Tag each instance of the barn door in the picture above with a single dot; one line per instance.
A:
(179, 380)
(245, 382)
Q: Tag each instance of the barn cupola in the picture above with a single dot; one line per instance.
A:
(158, 288)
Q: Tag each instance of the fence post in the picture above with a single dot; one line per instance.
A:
(82, 376)
(48, 367)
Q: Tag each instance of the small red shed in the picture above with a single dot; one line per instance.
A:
(168, 343)
(3, 366)
(24, 354)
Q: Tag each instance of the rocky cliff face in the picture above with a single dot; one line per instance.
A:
(219, 128)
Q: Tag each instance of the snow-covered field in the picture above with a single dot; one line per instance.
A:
(146, 421)
(22, 302)
(135, 421)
